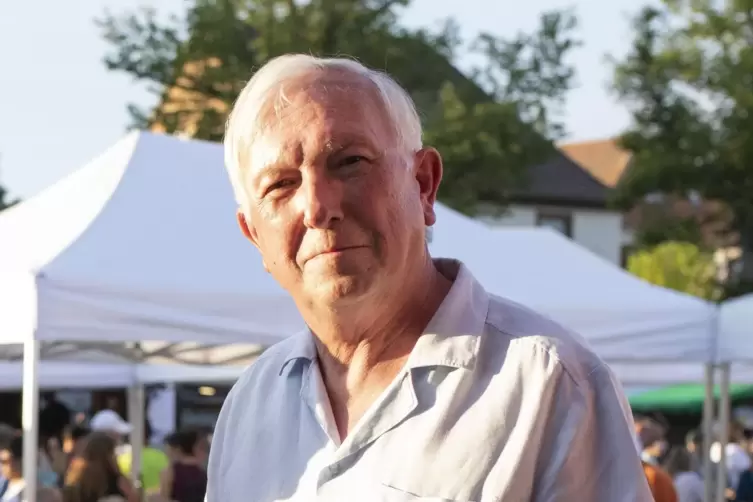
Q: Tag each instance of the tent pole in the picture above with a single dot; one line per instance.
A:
(30, 417)
(707, 426)
(724, 419)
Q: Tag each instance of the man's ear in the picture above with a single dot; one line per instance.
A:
(249, 232)
(428, 173)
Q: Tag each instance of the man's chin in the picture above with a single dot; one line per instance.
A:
(340, 289)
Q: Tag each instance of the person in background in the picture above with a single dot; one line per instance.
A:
(110, 422)
(53, 462)
(48, 494)
(648, 434)
(11, 462)
(153, 462)
(744, 491)
(7, 433)
(54, 417)
(95, 473)
(651, 434)
(73, 443)
(694, 446)
(688, 483)
(736, 456)
(73, 447)
(186, 478)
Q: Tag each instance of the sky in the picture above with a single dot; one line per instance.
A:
(60, 107)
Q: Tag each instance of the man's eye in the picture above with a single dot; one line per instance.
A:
(351, 160)
(277, 185)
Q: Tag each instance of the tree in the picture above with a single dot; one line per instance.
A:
(485, 125)
(5, 200)
(688, 81)
(681, 266)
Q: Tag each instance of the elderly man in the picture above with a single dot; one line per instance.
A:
(411, 382)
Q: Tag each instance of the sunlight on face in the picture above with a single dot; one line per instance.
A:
(334, 206)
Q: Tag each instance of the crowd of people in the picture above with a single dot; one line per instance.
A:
(676, 473)
(91, 462)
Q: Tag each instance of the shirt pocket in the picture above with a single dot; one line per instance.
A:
(393, 493)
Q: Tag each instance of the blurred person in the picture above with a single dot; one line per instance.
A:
(694, 446)
(54, 417)
(688, 483)
(73, 447)
(49, 494)
(11, 463)
(736, 456)
(7, 433)
(172, 446)
(649, 433)
(661, 484)
(411, 380)
(95, 473)
(74, 440)
(52, 462)
(153, 462)
(186, 479)
(744, 492)
(111, 423)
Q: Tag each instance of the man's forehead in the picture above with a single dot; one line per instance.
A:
(323, 120)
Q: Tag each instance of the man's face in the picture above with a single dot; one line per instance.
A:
(335, 207)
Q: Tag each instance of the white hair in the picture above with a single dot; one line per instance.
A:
(265, 87)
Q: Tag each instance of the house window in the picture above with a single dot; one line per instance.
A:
(625, 253)
(562, 223)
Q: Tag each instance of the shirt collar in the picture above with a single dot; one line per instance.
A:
(452, 336)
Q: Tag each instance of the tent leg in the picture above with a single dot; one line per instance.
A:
(724, 419)
(30, 417)
(136, 402)
(707, 426)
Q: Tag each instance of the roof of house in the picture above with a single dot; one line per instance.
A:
(604, 159)
(562, 180)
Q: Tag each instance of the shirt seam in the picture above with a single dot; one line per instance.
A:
(547, 348)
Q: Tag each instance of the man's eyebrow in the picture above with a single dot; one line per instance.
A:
(270, 171)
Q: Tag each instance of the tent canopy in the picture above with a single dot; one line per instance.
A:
(55, 375)
(141, 245)
(736, 329)
(623, 317)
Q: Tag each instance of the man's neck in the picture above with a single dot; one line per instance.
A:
(360, 352)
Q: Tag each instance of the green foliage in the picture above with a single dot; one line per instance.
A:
(484, 126)
(689, 83)
(681, 266)
(663, 229)
(5, 202)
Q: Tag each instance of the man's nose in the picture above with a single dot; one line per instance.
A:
(321, 198)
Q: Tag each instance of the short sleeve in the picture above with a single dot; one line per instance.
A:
(588, 450)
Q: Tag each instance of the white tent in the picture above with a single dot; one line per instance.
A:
(55, 375)
(140, 247)
(141, 244)
(624, 318)
(736, 330)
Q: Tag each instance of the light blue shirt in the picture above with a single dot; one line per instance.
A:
(495, 403)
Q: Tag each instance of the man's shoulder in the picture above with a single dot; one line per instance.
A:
(526, 329)
(268, 365)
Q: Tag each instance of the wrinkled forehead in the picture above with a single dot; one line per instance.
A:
(325, 107)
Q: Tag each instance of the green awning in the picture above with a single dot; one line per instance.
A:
(685, 398)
